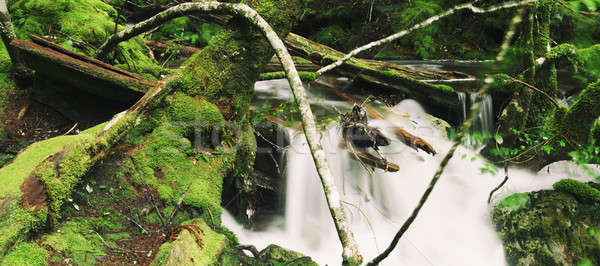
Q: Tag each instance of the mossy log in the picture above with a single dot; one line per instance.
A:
(382, 75)
(96, 77)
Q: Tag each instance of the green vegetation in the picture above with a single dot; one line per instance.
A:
(77, 239)
(554, 228)
(27, 254)
(186, 248)
(5, 81)
(515, 202)
(63, 20)
(582, 191)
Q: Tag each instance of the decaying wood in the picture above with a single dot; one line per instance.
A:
(376, 162)
(358, 137)
(160, 47)
(350, 253)
(274, 65)
(382, 76)
(413, 141)
(94, 76)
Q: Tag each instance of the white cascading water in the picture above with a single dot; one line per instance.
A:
(484, 121)
(462, 99)
(453, 228)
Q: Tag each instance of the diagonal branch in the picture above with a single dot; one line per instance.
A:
(426, 22)
(465, 126)
(350, 253)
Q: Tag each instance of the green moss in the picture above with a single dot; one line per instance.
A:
(585, 262)
(581, 191)
(84, 21)
(590, 61)
(29, 254)
(282, 255)
(162, 161)
(75, 239)
(564, 49)
(515, 202)
(162, 254)
(16, 223)
(15, 173)
(580, 117)
(304, 75)
(5, 81)
(186, 251)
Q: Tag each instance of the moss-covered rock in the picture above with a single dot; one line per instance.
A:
(554, 228)
(186, 250)
(582, 191)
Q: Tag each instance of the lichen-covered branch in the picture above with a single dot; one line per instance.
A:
(426, 22)
(466, 125)
(350, 254)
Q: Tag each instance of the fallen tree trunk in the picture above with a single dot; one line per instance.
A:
(47, 182)
(94, 76)
(385, 76)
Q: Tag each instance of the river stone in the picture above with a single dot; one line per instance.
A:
(553, 229)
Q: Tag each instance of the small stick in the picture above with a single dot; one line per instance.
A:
(501, 184)
(179, 202)
(71, 129)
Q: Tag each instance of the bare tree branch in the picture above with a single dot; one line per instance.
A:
(350, 252)
(426, 22)
(465, 126)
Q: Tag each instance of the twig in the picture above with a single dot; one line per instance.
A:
(158, 212)
(350, 250)
(368, 222)
(71, 129)
(179, 202)
(252, 250)
(465, 127)
(144, 231)
(537, 90)
(501, 184)
(117, 248)
(427, 22)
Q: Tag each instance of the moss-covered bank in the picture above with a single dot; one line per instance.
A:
(549, 227)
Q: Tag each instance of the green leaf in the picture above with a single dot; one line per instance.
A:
(498, 139)
(547, 149)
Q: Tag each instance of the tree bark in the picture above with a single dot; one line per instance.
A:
(56, 63)
(7, 34)
(203, 87)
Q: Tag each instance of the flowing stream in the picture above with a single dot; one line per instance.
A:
(454, 226)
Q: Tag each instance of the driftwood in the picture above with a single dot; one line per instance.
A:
(96, 77)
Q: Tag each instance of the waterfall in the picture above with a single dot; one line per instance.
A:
(462, 99)
(453, 227)
(485, 118)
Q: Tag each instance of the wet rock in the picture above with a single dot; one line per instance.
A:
(550, 228)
